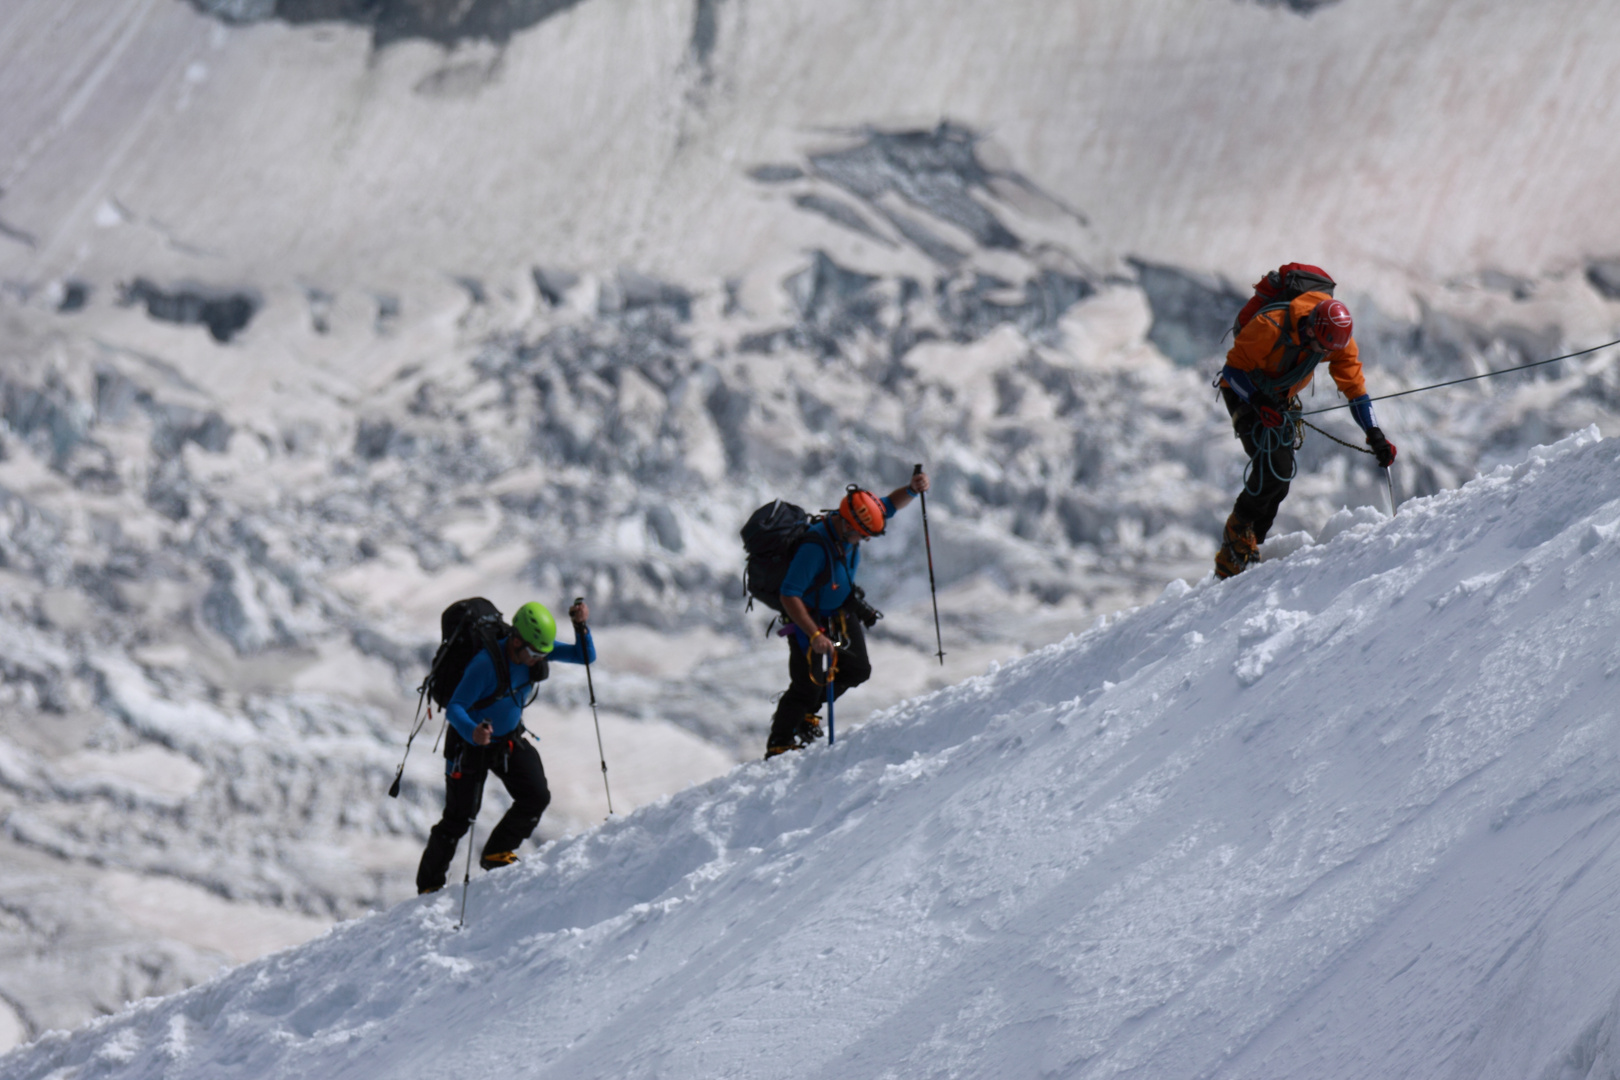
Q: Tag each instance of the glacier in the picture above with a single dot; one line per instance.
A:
(1353, 813)
(316, 316)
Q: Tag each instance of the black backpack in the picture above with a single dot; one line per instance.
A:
(465, 628)
(771, 537)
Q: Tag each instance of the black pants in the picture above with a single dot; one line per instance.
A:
(803, 696)
(512, 758)
(1264, 490)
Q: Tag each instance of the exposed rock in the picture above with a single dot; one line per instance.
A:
(1298, 7)
(1604, 274)
(224, 312)
(442, 21)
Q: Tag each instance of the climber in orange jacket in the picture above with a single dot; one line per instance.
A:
(1279, 344)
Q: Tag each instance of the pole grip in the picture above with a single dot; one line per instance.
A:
(917, 468)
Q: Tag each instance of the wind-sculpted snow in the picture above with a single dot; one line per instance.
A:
(1352, 813)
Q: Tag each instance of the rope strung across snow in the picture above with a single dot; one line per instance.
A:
(1470, 378)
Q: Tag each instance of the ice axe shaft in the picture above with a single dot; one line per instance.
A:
(1389, 483)
(832, 729)
(928, 546)
(579, 630)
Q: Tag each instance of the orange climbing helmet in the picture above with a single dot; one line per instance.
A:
(862, 511)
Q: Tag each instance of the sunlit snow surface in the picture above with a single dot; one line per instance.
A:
(1350, 814)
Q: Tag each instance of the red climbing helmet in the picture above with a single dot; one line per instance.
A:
(862, 511)
(1330, 324)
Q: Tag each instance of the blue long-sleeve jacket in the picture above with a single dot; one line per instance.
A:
(480, 680)
(810, 563)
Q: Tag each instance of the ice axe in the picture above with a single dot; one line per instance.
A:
(832, 730)
(928, 545)
(579, 630)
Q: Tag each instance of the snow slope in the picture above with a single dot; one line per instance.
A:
(548, 309)
(1350, 814)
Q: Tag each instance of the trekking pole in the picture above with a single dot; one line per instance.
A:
(416, 726)
(928, 545)
(466, 881)
(591, 686)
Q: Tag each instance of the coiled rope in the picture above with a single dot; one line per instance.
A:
(1269, 440)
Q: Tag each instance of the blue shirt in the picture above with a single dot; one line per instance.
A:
(480, 680)
(810, 565)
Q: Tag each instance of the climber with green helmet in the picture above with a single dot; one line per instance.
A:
(485, 736)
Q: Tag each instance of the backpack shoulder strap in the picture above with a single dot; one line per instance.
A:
(1284, 306)
(1298, 360)
(817, 535)
(503, 677)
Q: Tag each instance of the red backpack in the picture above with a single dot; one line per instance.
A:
(1280, 286)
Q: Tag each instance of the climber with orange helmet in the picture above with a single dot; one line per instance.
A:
(825, 612)
(1279, 344)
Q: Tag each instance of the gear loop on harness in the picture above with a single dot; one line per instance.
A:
(841, 641)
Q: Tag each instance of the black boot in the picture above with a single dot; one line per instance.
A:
(806, 732)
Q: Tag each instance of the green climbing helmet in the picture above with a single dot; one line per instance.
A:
(535, 626)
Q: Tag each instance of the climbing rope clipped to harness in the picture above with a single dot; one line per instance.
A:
(1267, 441)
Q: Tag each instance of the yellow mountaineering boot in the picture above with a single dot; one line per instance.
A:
(495, 859)
(808, 731)
(1239, 549)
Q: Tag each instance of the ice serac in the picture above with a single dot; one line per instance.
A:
(1353, 813)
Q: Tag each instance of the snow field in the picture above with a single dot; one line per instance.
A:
(394, 211)
(1349, 814)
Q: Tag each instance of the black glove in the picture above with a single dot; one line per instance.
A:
(1382, 448)
(1266, 409)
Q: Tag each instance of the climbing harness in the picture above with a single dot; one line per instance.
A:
(840, 641)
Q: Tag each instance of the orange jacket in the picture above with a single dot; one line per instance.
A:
(1259, 351)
